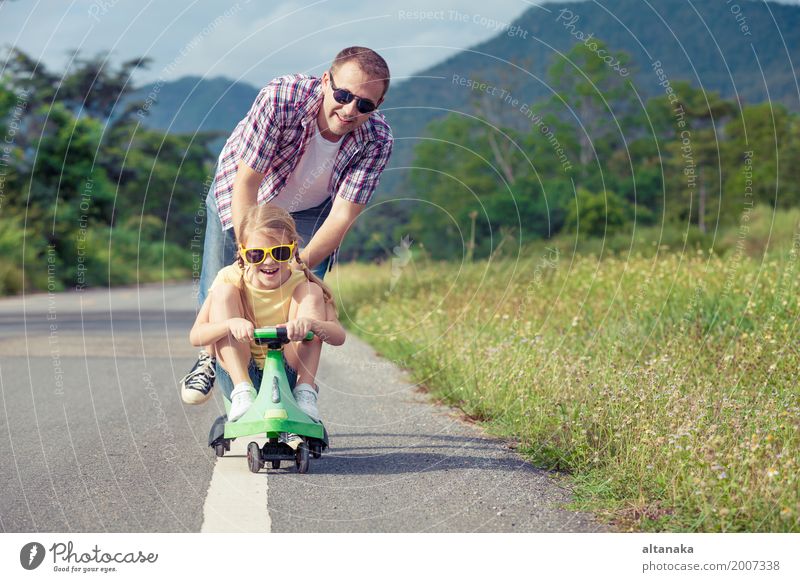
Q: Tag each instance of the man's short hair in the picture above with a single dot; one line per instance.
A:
(367, 60)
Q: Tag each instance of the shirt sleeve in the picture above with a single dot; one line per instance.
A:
(261, 133)
(361, 181)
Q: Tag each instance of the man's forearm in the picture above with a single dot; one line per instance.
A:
(324, 242)
(331, 233)
(244, 195)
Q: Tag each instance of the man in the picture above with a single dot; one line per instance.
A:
(314, 146)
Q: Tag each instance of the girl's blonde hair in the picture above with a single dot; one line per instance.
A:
(273, 218)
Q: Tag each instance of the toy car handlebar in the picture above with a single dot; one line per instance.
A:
(277, 333)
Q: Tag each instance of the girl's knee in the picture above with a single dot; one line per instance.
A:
(226, 301)
(224, 293)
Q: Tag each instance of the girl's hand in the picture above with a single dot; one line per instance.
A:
(297, 329)
(241, 329)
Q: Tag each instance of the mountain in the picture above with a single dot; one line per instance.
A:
(193, 104)
(743, 49)
(740, 48)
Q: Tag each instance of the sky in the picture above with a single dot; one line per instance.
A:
(250, 40)
(253, 40)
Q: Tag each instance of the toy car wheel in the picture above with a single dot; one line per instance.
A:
(316, 451)
(276, 464)
(219, 449)
(254, 457)
(301, 457)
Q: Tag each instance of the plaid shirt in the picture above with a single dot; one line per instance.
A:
(275, 134)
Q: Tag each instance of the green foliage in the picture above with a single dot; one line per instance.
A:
(590, 91)
(763, 147)
(128, 254)
(597, 214)
(112, 203)
(19, 247)
(688, 158)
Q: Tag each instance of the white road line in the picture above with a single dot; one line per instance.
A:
(236, 499)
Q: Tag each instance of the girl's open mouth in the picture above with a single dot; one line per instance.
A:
(269, 271)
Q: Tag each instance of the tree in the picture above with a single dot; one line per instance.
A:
(761, 158)
(102, 191)
(592, 92)
(454, 171)
(89, 87)
(597, 214)
(695, 151)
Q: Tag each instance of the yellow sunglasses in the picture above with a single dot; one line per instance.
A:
(256, 256)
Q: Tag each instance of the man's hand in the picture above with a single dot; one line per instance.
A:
(241, 329)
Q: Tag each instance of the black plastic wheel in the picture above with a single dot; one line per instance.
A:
(254, 457)
(316, 451)
(276, 464)
(301, 457)
(219, 449)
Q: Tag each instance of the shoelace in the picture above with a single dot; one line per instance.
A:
(206, 362)
(198, 380)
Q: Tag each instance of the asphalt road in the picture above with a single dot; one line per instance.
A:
(95, 438)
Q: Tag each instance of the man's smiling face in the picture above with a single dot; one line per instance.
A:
(336, 119)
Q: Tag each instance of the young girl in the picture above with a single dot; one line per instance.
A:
(263, 289)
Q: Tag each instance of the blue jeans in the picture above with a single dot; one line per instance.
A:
(226, 384)
(219, 247)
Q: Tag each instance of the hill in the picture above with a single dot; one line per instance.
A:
(749, 54)
(194, 104)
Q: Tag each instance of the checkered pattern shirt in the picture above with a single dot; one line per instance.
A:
(276, 132)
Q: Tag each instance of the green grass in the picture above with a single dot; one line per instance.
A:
(665, 385)
(128, 254)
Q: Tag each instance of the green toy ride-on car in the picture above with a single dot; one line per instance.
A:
(274, 413)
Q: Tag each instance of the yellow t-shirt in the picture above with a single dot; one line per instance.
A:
(270, 306)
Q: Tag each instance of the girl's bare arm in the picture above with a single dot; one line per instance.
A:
(204, 332)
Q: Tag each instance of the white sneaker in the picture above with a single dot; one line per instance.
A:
(306, 398)
(242, 398)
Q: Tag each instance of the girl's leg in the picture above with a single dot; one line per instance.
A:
(304, 356)
(233, 355)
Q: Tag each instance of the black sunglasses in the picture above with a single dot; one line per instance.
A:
(344, 97)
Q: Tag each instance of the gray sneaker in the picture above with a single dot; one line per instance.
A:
(306, 398)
